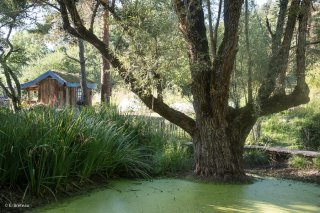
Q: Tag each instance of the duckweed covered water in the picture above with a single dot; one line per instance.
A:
(181, 196)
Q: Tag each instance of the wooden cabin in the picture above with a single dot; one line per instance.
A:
(57, 89)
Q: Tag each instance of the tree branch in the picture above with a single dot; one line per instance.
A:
(70, 57)
(278, 63)
(224, 61)
(180, 9)
(269, 28)
(6, 69)
(46, 2)
(93, 16)
(301, 48)
(216, 28)
(313, 42)
(192, 26)
(5, 89)
(3, 25)
(117, 17)
(280, 103)
(113, 4)
(272, 105)
(213, 51)
(227, 49)
(5, 58)
(307, 44)
(174, 116)
(65, 19)
(111, 9)
(249, 62)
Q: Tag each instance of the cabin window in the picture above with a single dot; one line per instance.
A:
(79, 94)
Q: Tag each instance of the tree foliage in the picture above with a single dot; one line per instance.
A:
(243, 68)
(12, 14)
(218, 131)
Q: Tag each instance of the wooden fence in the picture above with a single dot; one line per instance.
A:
(161, 125)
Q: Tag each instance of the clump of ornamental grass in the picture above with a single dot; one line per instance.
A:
(43, 150)
(254, 158)
(299, 162)
(316, 162)
(174, 157)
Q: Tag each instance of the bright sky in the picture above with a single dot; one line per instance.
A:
(260, 2)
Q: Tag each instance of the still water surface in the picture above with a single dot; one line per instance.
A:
(181, 196)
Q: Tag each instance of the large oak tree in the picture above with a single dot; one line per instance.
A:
(218, 130)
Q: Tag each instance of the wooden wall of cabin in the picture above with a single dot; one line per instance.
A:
(71, 96)
(51, 93)
(90, 97)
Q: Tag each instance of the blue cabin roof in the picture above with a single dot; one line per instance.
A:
(67, 79)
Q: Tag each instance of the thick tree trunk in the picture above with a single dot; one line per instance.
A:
(218, 151)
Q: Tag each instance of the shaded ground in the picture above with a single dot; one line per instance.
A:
(283, 171)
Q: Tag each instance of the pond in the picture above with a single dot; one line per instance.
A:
(182, 196)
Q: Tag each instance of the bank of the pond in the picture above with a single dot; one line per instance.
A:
(11, 198)
(47, 154)
(174, 195)
(69, 153)
(310, 175)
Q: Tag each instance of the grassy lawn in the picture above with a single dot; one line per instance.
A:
(285, 128)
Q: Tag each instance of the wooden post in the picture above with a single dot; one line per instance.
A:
(29, 98)
(67, 96)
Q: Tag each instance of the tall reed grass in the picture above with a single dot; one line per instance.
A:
(43, 150)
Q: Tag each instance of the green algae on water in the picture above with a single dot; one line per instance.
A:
(181, 196)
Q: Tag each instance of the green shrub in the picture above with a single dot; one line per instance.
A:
(298, 162)
(310, 133)
(284, 128)
(316, 162)
(173, 158)
(255, 158)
